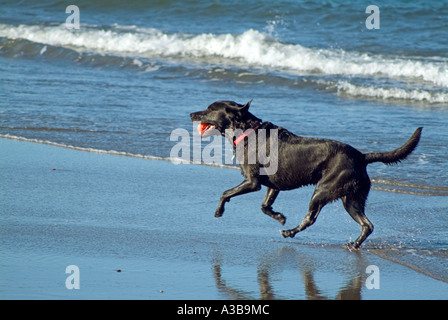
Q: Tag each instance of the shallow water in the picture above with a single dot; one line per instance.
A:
(105, 213)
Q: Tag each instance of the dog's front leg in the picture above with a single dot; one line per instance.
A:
(246, 186)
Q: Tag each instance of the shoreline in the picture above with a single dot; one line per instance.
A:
(437, 275)
(153, 221)
(379, 184)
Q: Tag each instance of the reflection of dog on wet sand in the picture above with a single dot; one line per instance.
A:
(351, 291)
(266, 271)
(337, 169)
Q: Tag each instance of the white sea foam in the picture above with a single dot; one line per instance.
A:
(347, 88)
(251, 48)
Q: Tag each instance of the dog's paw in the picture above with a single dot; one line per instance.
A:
(219, 212)
(274, 215)
(351, 246)
(288, 233)
(280, 218)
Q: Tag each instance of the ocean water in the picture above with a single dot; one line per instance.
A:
(134, 70)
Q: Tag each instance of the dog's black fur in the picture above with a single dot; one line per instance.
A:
(338, 170)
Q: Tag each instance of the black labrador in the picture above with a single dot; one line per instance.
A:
(338, 170)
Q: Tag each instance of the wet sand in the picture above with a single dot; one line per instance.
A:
(144, 229)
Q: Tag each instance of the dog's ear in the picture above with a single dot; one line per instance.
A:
(245, 108)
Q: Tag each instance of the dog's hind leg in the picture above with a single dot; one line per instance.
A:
(318, 201)
(355, 207)
(266, 206)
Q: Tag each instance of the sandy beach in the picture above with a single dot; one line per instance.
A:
(144, 229)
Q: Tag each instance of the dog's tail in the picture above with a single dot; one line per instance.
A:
(398, 154)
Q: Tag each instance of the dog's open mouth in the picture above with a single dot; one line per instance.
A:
(205, 129)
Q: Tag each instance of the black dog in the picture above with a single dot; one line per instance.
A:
(338, 170)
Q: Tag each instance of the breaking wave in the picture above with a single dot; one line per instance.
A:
(392, 93)
(141, 48)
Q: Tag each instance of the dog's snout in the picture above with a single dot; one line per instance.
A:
(193, 116)
(196, 116)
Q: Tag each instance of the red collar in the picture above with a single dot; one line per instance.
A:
(246, 133)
